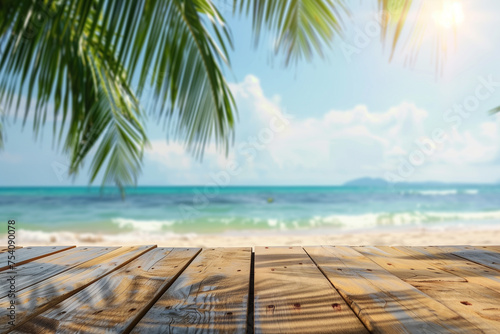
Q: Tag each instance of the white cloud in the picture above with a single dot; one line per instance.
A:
(340, 145)
(171, 155)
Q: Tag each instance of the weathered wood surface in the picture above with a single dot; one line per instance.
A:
(46, 267)
(41, 296)
(484, 257)
(6, 249)
(117, 301)
(444, 259)
(143, 289)
(405, 266)
(210, 296)
(475, 302)
(495, 249)
(385, 303)
(28, 254)
(293, 296)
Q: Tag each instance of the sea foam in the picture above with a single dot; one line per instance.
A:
(142, 225)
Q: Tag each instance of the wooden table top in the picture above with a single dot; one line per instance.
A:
(315, 289)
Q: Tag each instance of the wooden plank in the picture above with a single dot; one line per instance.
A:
(481, 256)
(119, 300)
(6, 249)
(385, 303)
(444, 259)
(28, 254)
(405, 266)
(210, 296)
(474, 302)
(494, 249)
(39, 297)
(46, 267)
(293, 296)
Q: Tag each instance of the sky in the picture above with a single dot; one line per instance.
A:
(352, 114)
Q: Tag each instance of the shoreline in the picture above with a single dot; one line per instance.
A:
(409, 236)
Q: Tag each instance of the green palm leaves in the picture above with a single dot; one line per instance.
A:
(300, 28)
(84, 65)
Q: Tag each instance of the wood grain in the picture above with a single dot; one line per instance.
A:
(474, 302)
(6, 249)
(41, 296)
(385, 303)
(481, 256)
(444, 259)
(494, 249)
(210, 296)
(117, 301)
(28, 254)
(143, 289)
(46, 267)
(405, 266)
(293, 296)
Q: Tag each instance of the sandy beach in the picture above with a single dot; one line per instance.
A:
(405, 237)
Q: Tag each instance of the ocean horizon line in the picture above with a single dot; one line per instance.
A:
(420, 183)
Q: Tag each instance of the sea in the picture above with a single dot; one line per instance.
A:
(94, 211)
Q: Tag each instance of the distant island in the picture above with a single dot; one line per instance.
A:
(367, 182)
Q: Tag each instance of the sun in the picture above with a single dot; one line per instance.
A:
(450, 15)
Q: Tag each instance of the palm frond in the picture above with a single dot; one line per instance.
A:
(300, 28)
(112, 126)
(407, 34)
(88, 62)
(494, 110)
(394, 14)
(178, 56)
(1, 128)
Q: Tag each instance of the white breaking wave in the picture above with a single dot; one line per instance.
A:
(272, 222)
(367, 220)
(398, 219)
(150, 231)
(142, 225)
(442, 192)
(28, 237)
(438, 192)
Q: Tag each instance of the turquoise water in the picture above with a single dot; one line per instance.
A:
(200, 210)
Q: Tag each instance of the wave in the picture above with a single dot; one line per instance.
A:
(29, 237)
(441, 192)
(401, 218)
(438, 192)
(161, 231)
(258, 226)
(142, 225)
(343, 221)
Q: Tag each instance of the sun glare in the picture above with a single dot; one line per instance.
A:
(450, 15)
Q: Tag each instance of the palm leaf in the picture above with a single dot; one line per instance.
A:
(300, 28)
(495, 110)
(1, 128)
(89, 61)
(407, 35)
